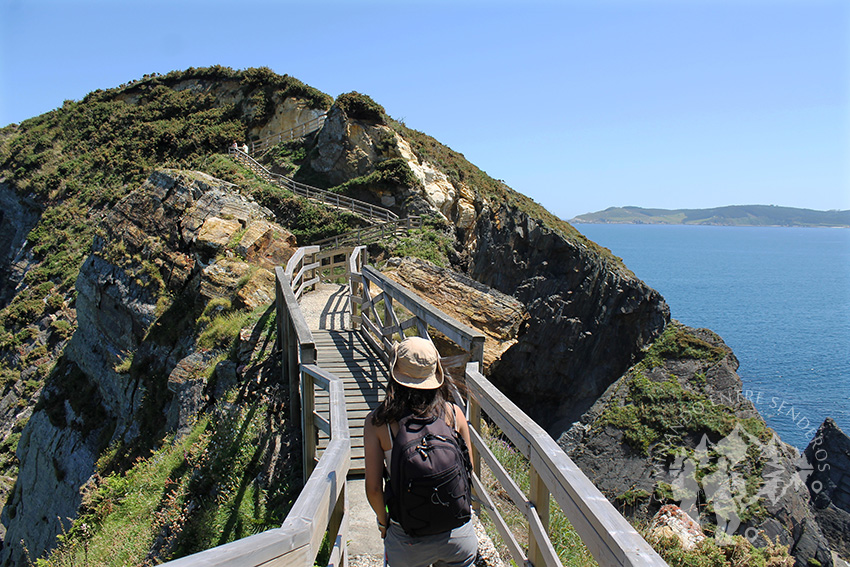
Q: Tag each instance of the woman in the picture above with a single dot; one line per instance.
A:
(419, 387)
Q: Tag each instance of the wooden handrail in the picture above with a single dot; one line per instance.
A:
(323, 503)
(606, 533)
(370, 234)
(424, 315)
(362, 208)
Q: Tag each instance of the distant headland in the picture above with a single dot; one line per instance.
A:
(733, 215)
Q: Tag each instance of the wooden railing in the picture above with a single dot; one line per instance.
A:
(293, 133)
(370, 234)
(369, 211)
(607, 534)
(377, 302)
(384, 311)
(374, 298)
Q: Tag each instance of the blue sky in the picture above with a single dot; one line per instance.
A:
(579, 104)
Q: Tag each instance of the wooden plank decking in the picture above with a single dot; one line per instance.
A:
(345, 354)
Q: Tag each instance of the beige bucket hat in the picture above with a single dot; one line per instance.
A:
(416, 364)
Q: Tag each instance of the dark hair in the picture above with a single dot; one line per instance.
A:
(401, 400)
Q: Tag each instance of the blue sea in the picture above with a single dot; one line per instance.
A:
(779, 297)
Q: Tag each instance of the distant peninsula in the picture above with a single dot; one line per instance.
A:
(733, 215)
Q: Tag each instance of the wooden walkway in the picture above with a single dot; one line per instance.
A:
(344, 353)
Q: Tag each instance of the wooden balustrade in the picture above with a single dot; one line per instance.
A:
(322, 506)
(380, 329)
(606, 533)
(362, 208)
(370, 234)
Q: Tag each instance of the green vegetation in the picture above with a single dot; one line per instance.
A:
(676, 342)
(736, 215)
(203, 490)
(430, 242)
(740, 553)
(361, 107)
(633, 497)
(387, 175)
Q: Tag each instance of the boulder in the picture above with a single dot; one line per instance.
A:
(672, 522)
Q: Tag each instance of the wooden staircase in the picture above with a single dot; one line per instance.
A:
(370, 212)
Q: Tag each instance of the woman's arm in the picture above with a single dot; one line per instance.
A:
(374, 456)
(463, 429)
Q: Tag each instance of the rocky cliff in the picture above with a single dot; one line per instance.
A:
(678, 428)
(828, 460)
(134, 367)
(588, 314)
(136, 294)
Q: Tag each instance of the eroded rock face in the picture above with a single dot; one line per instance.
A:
(289, 113)
(588, 317)
(828, 455)
(455, 204)
(55, 462)
(351, 148)
(706, 465)
(497, 315)
(18, 216)
(348, 148)
(178, 241)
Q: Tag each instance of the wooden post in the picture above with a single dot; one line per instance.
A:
(338, 515)
(476, 353)
(307, 428)
(388, 314)
(538, 496)
(313, 271)
(473, 415)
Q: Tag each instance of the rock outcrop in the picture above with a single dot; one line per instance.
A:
(495, 314)
(828, 455)
(18, 216)
(133, 367)
(589, 317)
(678, 429)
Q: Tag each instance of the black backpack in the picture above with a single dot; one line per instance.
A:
(429, 488)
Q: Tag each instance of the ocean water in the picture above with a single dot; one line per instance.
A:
(779, 297)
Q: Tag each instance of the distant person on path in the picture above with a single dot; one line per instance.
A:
(435, 529)
(234, 146)
(245, 148)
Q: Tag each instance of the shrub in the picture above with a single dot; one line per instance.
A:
(361, 107)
